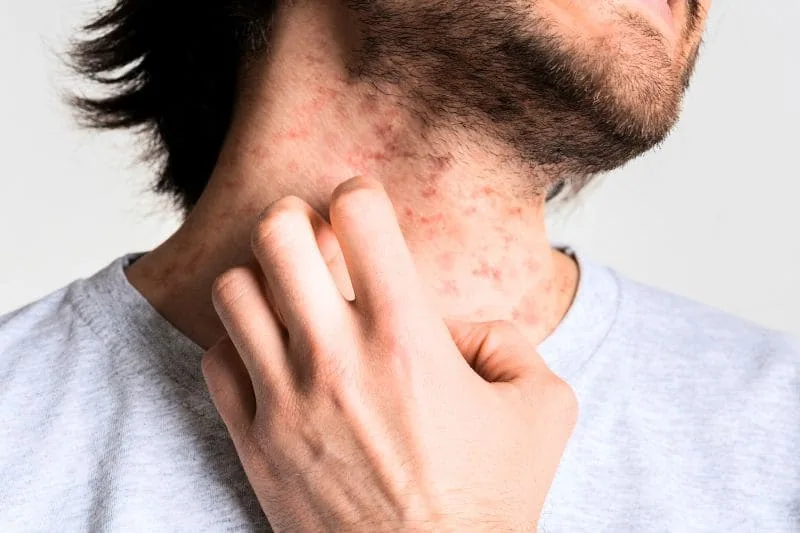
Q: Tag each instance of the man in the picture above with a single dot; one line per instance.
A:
(465, 116)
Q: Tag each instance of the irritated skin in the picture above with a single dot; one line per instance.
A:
(473, 219)
(346, 413)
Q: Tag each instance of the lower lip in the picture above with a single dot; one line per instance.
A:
(660, 8)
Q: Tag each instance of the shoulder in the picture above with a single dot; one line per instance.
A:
(50, 363)
(41, 325)
(685, 410)
(658, 321)
(711, 367)
(42, 342)
(78, 319)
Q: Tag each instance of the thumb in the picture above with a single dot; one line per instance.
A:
(497, 350)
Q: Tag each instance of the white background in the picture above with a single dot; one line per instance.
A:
(712, 215)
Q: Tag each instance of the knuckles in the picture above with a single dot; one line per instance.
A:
(350, 200)
(354, 197)
(230, 287)
(277, 223)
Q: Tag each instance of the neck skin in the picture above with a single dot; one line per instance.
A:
(473, 218)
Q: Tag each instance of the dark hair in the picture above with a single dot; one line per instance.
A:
(169, 70)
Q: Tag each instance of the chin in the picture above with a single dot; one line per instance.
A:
(619, 83)
(579, 92)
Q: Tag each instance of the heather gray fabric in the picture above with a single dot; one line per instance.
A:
(689, 421)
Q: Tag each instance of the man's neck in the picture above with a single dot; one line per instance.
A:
(473, 218)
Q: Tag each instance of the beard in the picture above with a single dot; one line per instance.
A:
(575, 105)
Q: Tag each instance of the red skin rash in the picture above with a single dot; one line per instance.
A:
(340, 109)
(484, 192)
(409, 212)
(441, 164)
(319, 102)
(368, 106)
(385, 133)
(485, 271)
(489, 272)
(531, 266)
(394, 147)
(330, 139)
(435, 219)
(292, 134)
(379, 156)
(453, 233)
(229, 185)
(450, 288)
(429, 192)
(526, 312)
(257, 150)
(392, 151)
(314, 59)
(447, 261)
(497, 275)
(297, 134)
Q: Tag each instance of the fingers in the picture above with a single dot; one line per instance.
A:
(332, 255)
(230, 387)
(239, 299)
(293, 291)
(381, 269)
(300, 283)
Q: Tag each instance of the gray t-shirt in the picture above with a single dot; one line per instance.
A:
(689, 418)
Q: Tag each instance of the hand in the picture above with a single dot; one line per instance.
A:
(354, 407)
